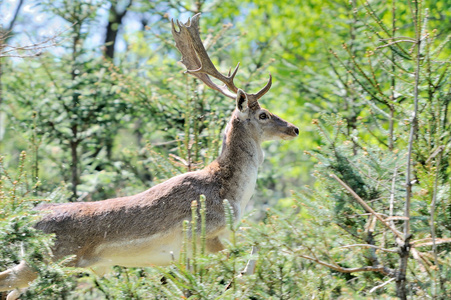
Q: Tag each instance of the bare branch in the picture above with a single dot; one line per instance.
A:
(392, 43)
(370, 246)
(423, 263)
(381, 269)
(432, 258)
(392, 197)
(381, 285)
(367, 207)
(431, 243)
(432, 207)
(398, 37)
(435, 153)
(30, 50)
(396, 218)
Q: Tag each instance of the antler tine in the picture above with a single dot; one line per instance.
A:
(254, 97)
(196, 59)
(265, 89)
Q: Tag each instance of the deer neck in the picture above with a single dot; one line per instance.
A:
(241, 144)
(238, 163)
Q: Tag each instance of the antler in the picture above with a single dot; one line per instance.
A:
(198, 63)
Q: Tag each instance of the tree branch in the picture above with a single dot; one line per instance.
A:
(31, 50)
(367, 207)
(16, 13)
(370, 246)
(380, 269)
(381, 285)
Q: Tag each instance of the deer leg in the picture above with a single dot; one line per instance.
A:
(248, 270)
(250, 266)
(17, 278)
(214, 245)
(15, 294)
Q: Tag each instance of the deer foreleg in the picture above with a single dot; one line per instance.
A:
(16, 279)
(214, 245)
(250, 266)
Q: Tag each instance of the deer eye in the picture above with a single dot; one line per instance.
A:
(263, 116)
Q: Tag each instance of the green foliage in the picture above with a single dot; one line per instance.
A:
(114, 128)
(24, 243)
(387, 158)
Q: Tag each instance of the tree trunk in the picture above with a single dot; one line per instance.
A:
(114, 22)
(401, 278)
(74, 169)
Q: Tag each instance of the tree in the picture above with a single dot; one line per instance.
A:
(389, 164)
(116, 14)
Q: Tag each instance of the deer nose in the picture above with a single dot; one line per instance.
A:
(296, 131)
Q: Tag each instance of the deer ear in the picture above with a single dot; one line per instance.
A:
(241, 100)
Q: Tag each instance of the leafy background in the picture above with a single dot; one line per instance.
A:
(104, 110)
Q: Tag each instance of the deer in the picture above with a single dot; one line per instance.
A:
(145, 229)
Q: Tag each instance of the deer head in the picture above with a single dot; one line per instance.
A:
(266, 125)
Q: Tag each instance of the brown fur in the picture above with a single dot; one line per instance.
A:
(81, 227)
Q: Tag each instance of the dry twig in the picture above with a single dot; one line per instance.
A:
(370, 246)
(367, 207)
(30, 50)
(381, 285)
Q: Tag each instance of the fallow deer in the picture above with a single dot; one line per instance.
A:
(146, 229)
